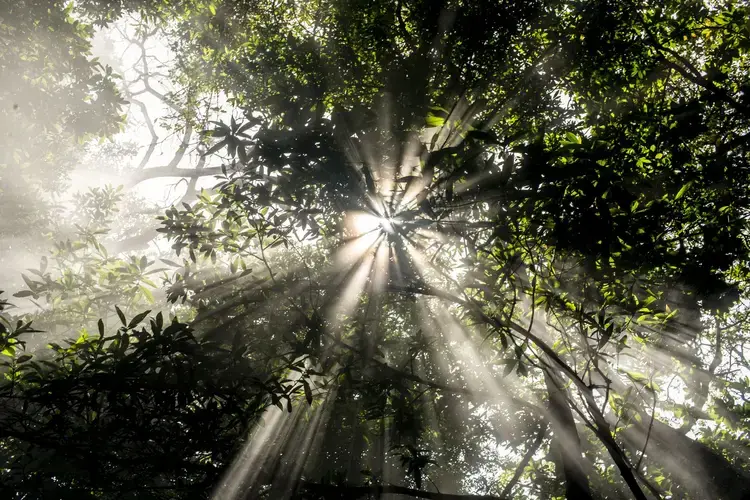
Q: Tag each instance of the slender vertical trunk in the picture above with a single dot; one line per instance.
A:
(566, 441)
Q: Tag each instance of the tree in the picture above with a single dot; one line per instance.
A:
(53, 97)
(120, 400)
(476, 226)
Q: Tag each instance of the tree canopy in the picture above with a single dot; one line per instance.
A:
(455, 250)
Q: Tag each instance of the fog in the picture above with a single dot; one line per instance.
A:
(152, 136)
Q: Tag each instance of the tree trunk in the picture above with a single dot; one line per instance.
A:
(697, 470)
(565, 440)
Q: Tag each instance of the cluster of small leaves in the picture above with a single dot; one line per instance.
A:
(146, 409)
(81, 280)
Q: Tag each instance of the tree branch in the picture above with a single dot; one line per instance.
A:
(167, 171)
(182, 148)
(601, 427)
(353, 492)
(687, 69)
(524, 462)
(151, 130)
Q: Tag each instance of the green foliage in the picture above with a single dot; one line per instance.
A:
(80, 281)
(54, 96)
(148, 411)
(560, 193)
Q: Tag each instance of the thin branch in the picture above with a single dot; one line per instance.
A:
(524, 462)
(151, 130)
(182, 148)
(648, 433)
(717, 354)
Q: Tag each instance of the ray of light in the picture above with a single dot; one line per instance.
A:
(363, 223)
(247, 466)
(380, 268)
(384, 167)
(350, 294)
(276, 433)
(365, 233)
(463, 347)
(480, 380)
(477, 180)
(424, 266)
(301, 446)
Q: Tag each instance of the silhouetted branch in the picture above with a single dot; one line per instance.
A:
(601, 427)
(524, 462)
(167, 171)
(151, 130)
(648, 433)
(353, 492)
(687, 69)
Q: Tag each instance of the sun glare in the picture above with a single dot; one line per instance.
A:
(365, 223)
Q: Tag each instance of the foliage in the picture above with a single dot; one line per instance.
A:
(54, 96)
(466, 227)
(148, 410)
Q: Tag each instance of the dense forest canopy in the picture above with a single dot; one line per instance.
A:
(449, 249)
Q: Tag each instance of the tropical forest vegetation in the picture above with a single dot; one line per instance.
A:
(348, 249)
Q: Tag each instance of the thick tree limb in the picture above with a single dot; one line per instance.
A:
(691, 74)
(167, 171)
(136, 242)
(353, 492)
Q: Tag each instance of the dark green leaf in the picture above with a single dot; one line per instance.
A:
(138, 318)
(120, 315)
